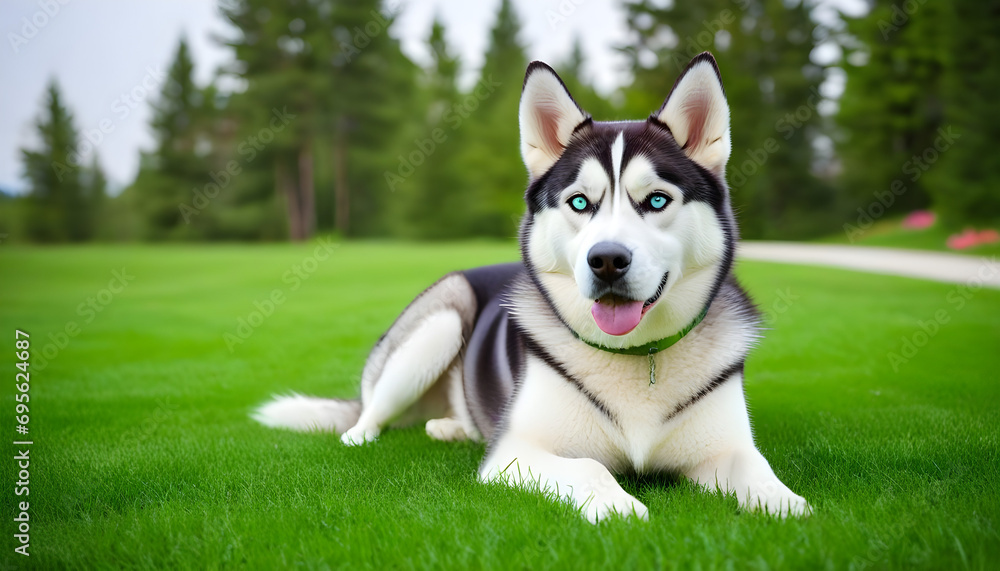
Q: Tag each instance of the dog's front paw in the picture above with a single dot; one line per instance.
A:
(606, 498)
(599, 509)
(359, 435)
(748, 475)
(781, 503)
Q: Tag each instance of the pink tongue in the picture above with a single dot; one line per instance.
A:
(617, 319)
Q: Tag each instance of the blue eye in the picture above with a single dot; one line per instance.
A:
(579, 203)
(658, 201)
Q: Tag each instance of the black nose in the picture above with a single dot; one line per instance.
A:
(609, 261)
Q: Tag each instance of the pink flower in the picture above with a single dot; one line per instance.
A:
(989, 236)
(919, 219)
(966, 239)
(970, 238)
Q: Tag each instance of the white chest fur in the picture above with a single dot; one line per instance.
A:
(607, 410)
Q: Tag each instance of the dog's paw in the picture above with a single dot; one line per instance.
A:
(446, 429)
(623, 505)
(781, 504)
(605, 498)
(359, 435)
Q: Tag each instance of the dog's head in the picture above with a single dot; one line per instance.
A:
(628, 232)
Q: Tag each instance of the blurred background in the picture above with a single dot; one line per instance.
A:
(274, 120)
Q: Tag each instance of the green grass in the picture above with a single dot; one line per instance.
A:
(889, 233)
(144, 455)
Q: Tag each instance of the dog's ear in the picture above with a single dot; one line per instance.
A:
(547, 117)
(697, 114)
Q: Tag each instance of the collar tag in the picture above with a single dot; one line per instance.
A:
(652, 367)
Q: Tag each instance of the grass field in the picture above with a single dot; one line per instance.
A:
(144, 455)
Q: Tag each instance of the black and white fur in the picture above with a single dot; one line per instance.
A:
(496, 354)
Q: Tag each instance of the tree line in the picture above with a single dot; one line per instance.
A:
(332, 129)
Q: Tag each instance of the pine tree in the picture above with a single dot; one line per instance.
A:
(95, 186)
(663, 38)
(171, 177)
(763, 49)
(56, 209)
(375, 112)
(343, 78)
(444, 70)
(965, 185)
(785, 199)
(437, 200)
(573, 75)
(497, 176)
(277, 57)
(892, 106)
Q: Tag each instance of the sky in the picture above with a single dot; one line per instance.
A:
(110, 58)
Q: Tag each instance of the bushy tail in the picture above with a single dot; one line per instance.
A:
(299, 412)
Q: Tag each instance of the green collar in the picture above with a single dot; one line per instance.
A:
(653, 347)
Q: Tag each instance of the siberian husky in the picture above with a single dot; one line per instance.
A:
(615, 346)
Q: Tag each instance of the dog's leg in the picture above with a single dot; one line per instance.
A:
(585, 482)
(746, 472)
(733, 463)
(410, 370)
(458, 425)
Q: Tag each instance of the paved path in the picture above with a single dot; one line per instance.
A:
(937, 266)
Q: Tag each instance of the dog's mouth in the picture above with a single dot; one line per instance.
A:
(617, 315)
